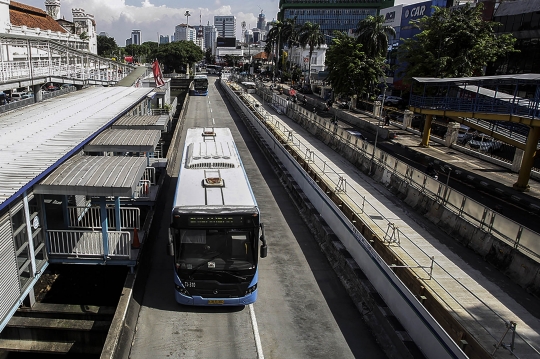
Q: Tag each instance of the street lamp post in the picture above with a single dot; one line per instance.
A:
(187, 15)
(377, 132)
(449, 169)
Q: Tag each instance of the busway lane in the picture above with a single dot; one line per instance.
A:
(301, 312)
(482, 309)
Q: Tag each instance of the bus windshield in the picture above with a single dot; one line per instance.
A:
(200, 83)
(208, 250)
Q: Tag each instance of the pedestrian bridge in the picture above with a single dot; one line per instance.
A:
(32, 62)
(513, 99)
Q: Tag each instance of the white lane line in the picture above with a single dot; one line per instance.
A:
(260, 354)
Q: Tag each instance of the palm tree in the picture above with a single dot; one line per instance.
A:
(312, 36)
(275, 36)
(289, 34)
(373, 35)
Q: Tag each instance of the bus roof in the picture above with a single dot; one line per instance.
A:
(212, 178)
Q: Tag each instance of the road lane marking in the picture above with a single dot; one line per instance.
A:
(260, 354)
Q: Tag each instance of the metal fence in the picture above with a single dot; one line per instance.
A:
(90, 217)
(88, 244)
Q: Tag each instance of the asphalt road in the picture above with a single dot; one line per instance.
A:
(302, 310)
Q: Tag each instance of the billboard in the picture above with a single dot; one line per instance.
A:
(226, 42)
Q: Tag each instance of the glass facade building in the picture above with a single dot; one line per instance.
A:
(331, 15)
(522, 19)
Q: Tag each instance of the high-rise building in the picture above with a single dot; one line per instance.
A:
(331, 15)
(135, 37)
(185, 32)
(210, 37)
(163, 39)
(261, 21)
(225, 25)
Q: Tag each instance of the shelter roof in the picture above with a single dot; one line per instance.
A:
(124, 140)
(517, 7)
(506, 78)
(32, 17)
(36, 139)
(148, 122)
(95, 176)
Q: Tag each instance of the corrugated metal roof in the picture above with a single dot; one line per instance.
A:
(95, 176)
(36, 139)
(507, 8)
(124, 140)
(143, 122)
(516, 78)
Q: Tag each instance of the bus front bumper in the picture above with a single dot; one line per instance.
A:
(215, 302)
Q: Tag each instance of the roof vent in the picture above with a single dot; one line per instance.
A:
(213, 179)
(209, 132)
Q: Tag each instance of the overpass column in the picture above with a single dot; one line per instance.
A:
(426, 132)
(522, 183)
(407, 119)
(38, 95)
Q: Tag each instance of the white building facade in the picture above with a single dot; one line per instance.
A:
(225, 25)
(184, 32)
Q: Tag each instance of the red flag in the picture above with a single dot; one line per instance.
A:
(157, 74)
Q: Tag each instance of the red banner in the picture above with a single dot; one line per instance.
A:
(157, 74)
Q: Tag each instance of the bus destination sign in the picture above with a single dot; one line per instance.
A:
(215, 221)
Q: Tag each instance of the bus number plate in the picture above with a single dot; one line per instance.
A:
(216, 302)
(189, 284)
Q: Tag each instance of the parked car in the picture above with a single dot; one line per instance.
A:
(356, 134)
(17, 96)
(484, 143)
(390, 100)
(465, 134)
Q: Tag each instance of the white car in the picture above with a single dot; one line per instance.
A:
(390, 100)
(356, 134)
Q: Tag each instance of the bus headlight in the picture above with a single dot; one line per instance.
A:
(182, 290)
(251, 289)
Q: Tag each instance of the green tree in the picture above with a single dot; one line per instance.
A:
(350, 70)
(373, 34)
(106, 46)
(310, 35)
(273, 41)
(210, 59)
(455, 43)
(178, 56)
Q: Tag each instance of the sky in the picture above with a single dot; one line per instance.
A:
(159, 17)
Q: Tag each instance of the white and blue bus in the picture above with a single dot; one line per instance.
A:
(199, 86)
(215, 231)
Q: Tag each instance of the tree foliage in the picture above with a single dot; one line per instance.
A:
(350, 70)
(106, 46)
(177, 56)
(453, 43)
(373, 34)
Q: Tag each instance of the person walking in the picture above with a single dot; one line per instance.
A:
(387, 120)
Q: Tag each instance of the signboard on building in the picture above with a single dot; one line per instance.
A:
(226, 42)
(392, 15)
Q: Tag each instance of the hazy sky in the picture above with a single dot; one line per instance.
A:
(153, 17)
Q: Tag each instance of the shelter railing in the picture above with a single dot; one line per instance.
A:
(88, 244)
